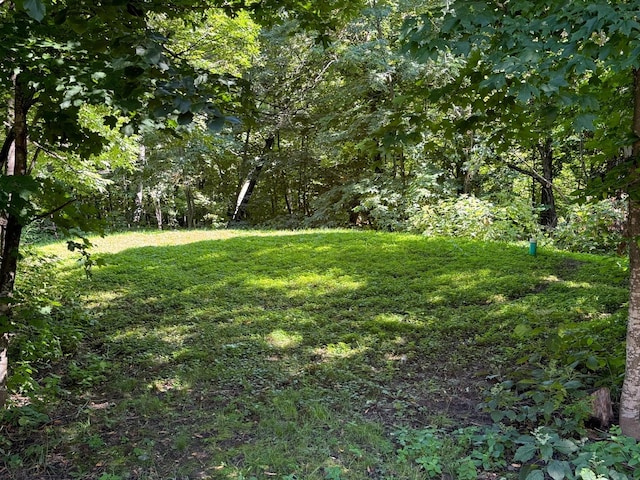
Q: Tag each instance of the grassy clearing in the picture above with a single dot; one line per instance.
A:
(230, 355)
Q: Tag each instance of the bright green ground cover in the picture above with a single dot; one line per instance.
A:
(303, 355)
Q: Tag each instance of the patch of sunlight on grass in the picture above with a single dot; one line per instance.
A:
(394, 318)
(281, 339)
(466, 280)
(117, 242)
(307, 283)
(103, 297)
(586, 285)
(170, 334)
(498, 298)
(339, 350)
(168, 384)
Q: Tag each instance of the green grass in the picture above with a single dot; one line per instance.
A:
(230, 355)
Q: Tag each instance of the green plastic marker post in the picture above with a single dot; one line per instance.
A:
(533, 247)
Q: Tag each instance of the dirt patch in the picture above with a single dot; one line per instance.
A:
(420, 397)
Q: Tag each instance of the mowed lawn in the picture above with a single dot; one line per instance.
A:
(298, 355)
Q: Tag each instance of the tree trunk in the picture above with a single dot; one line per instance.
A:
(548, 217)
(630, 400)
(158, 207)
(246, 191)
(286, 194)
(139, 202)
(11, 226)
(139, 210)
(188, 195)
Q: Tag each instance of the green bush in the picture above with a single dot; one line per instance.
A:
(367, 203)
(538, 454)
(468, 216)
(44, 327)
(592, 227)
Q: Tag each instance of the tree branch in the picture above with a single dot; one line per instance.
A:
(537, 177)
(55, 210)
(49, 151)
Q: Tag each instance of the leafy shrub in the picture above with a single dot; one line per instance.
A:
(469, 216)
(44, 328)
(540, 453)
(381, 203)
(333, 208)
(538, 395)
(439, 455)
(586, 347)
(592, 227)
(377, 204)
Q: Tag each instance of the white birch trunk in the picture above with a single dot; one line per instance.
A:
(630, 400)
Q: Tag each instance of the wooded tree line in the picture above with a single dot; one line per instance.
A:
(444, 117)
(353, 132)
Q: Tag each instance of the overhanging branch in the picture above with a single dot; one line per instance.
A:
(537, 177)
(55, 210)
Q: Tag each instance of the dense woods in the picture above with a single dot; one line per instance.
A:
(495, 121)
(354, 125)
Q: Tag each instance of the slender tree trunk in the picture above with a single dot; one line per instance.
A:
(158, 208)
(188, 195)
(246, 191)
(286, 194)
(12, 225)
(548, 217)
(139, 202)
(139, 209)
(630, 400)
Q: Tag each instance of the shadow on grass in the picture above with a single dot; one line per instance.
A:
(275, 355)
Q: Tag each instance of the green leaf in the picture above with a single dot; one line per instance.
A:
(522, 330)
(565, 446)
(35, 9)
(572, 384)
(183, 105)
(584, 122)
(185, 118)
(535, 475)
(216, 124)
(525, 453)
(526, 93)
(587, 474)
(592, 363)
(546, 452)
(558, 470)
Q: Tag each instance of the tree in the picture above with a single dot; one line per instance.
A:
(580, 55)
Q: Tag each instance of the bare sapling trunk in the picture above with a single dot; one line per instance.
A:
(630, 399)
(139, 202)
(191, 208)
(158, 208)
